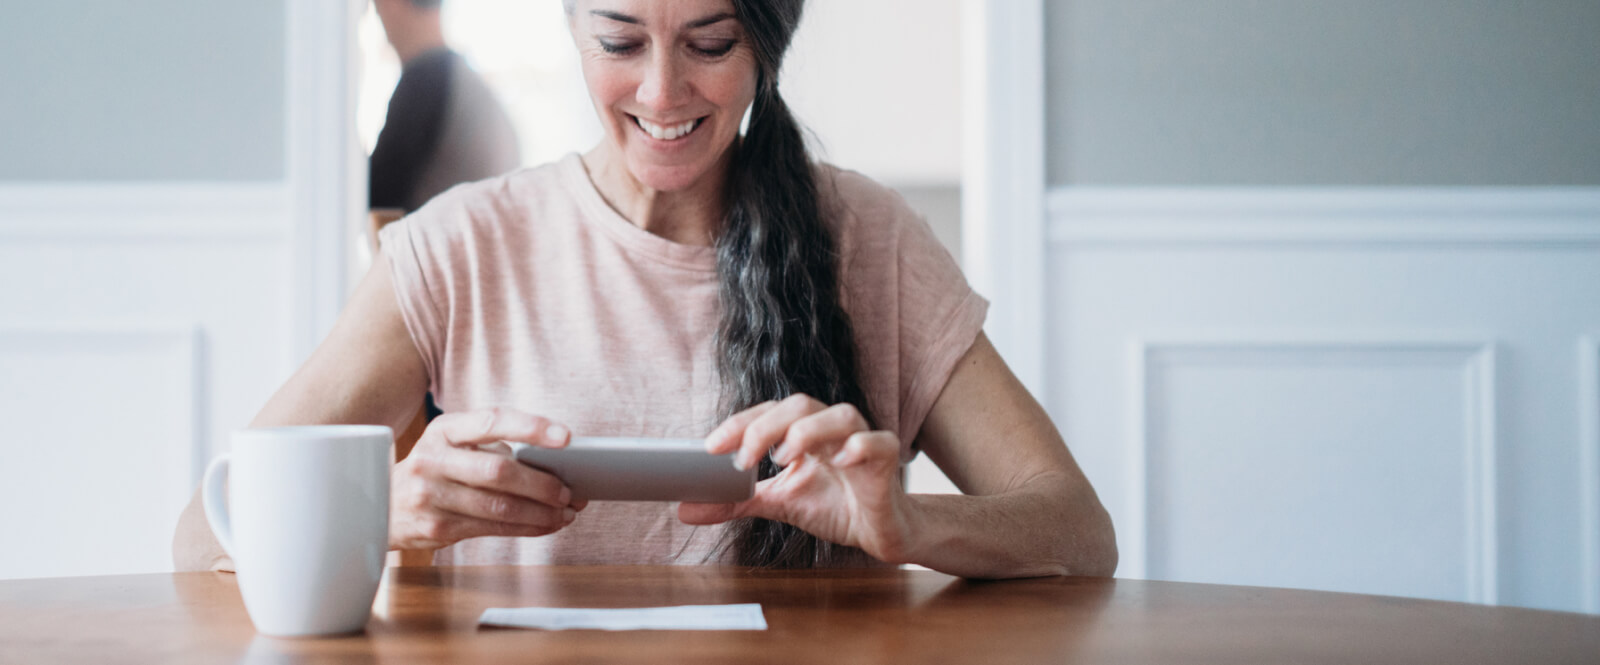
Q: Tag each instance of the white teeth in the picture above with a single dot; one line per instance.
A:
(666, 133)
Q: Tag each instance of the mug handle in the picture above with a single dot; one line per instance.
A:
(215, 502)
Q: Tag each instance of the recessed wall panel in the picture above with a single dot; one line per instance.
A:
(100, 448)
(1337, 468)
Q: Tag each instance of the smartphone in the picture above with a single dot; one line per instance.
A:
(641, 469)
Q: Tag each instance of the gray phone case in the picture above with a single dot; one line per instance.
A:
(641, 469)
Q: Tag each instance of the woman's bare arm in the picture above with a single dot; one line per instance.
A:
(367, 371)
(1028, 510)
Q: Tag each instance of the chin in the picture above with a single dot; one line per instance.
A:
(666, 177)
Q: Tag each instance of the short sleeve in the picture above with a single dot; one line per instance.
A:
(425, 251)
(940, 317)
(913, 312)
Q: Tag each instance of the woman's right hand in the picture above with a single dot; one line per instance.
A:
(447, 490)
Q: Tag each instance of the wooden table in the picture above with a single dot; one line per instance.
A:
(855, 616)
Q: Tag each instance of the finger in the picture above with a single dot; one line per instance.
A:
(497, 506)
(725, 438)
(500, 473)
(445, 527)
(868, 449)
(769, 428)
(716, 513)
(474, 428)
(706, 513)
(821, 433)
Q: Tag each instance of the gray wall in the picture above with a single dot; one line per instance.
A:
(1323, 92)
(114, 90)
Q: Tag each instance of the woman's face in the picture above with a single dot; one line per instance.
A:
(671, 80)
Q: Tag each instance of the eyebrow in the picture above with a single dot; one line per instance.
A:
(697, 23)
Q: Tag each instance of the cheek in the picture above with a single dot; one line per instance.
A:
(737, 86)
(738, 94)
(732, 93)
(609, 86)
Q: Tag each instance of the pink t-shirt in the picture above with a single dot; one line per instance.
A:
(529, 291)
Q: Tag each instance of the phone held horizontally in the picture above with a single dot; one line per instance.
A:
(641, 469)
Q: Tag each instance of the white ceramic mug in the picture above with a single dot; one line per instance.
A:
(306, 522)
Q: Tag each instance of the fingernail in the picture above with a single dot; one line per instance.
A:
(781, 456)
(566, 496)
(556, 434)
(567, 515)
(712, 439)
(739, 463)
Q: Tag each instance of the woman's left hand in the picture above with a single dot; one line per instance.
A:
(839, 481)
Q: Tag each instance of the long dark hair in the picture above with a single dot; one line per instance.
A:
(783, 329)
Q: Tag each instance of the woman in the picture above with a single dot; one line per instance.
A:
(683, 280)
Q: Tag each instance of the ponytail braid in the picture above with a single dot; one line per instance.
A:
(783, 329)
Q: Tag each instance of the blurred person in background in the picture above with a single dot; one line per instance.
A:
(444, 126)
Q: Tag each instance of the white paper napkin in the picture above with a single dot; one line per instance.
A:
(682, 617)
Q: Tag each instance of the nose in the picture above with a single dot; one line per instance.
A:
(664, 86)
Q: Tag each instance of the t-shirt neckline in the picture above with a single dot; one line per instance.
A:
(619, 229)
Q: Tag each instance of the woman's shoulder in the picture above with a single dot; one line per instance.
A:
(493, 205)
(867, 216)
(506, 194)
(854, 194)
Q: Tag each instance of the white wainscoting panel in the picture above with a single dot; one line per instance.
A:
(110, 416)
(1253, 456)
(105, 427)
(1365, 318)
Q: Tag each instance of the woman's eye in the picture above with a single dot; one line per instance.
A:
(618, 48)
(712, 49)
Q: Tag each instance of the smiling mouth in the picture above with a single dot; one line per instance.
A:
(667, 132)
